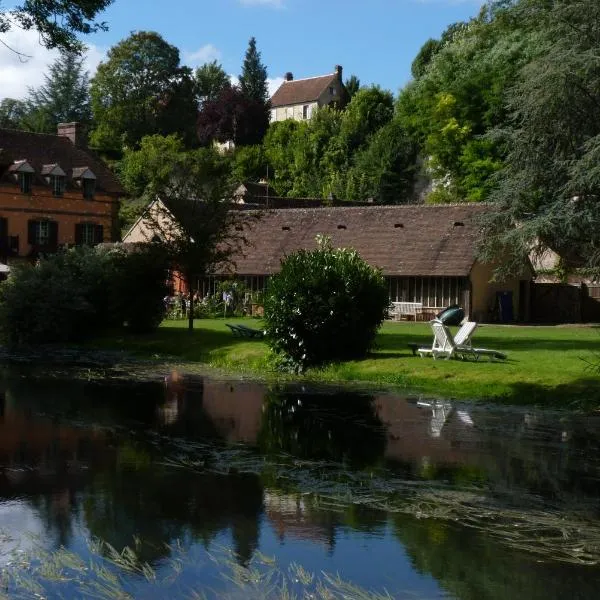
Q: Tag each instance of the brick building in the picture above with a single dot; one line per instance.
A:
(54, 192)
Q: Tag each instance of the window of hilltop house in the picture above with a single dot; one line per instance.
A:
(25, 181)
(305, 111)
(58, 185)
(332, 91)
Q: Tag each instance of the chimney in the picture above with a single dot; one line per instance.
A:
(338, 71)
(76, 132)
(289, 76)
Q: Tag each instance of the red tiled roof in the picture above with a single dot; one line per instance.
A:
(41, 149)
(414, 240)
(301, 90)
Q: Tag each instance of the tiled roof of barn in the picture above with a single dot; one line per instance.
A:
(41, 149)
(408, 240)
(301, 90)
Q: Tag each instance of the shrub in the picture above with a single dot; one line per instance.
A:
(73, 295)
(325, 305)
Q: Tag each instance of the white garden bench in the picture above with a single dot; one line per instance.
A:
(403, 310)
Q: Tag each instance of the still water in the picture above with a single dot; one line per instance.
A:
(191, 487)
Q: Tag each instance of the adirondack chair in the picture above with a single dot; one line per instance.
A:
(446, 346)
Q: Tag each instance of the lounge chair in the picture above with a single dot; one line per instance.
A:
(244, 331)
(446, 346)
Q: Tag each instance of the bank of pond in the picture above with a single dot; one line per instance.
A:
(223, 487)
(550, 366)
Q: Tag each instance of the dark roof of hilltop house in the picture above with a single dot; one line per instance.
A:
(301, 90)
(41, 150)
(415, 240)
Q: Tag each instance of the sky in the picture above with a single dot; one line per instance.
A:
(376, 40)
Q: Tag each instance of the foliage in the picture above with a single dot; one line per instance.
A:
(140, 90)
(547, 195)
(63, 98)
(249, 163)
(193, 224)
(324, 305)
(458, 95)
(12, 112)
(352, 85)
(211, 79)
(74, 295)
(232, 116)
(253, 80)
(384, 170)
(58, 21)
(151, 164)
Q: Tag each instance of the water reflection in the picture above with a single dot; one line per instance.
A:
(80, 459)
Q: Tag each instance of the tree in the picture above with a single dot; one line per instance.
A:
(12, 112)
(324, 305)
(63, 98)
(57, 21)
(232, 116)
(352, 86)
(385, 169)
(547, 192)
(142, 90)
(211, 79)
(194, 225)
(253, 80)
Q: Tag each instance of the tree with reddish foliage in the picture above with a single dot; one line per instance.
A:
(233, 116)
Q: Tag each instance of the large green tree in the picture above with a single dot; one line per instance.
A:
(141, 90)
(64, 96)
(458, 95)
(58, 22)
(211, 79)
(253, 80)
(547, 193)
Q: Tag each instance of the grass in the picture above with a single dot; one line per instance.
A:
(545, 365)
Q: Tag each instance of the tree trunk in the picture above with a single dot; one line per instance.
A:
(190, 309)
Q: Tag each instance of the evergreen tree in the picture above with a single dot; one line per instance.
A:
(253, 80)
(63, 98)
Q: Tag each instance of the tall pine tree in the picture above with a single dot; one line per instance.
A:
(64, 97)
(255, 93)
(253, 80)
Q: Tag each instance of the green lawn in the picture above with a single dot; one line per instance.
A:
(545, 365)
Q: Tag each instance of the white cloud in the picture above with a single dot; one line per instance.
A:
(274, 3)
(274, 84)
(17, 73)
(206, 53)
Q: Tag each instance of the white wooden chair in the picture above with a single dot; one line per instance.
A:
(445, 346)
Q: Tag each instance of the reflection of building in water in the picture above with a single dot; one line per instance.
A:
(235, 409)
(290, 515)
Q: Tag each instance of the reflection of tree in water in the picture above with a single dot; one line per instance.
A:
(341, 427)
(472, 566)
(159, 505)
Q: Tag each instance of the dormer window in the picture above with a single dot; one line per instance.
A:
(23, 173)
(84, 177)
(89, 188)
(25, 181)
(56, 178)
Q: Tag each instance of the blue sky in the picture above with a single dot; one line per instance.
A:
(373, 39)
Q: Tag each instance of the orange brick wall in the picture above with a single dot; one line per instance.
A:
(67, 210)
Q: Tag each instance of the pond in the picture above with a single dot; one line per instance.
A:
(199, 487)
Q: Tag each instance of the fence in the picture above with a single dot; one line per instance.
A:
(563, 303)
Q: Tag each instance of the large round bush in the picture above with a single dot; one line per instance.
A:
(325, 305)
